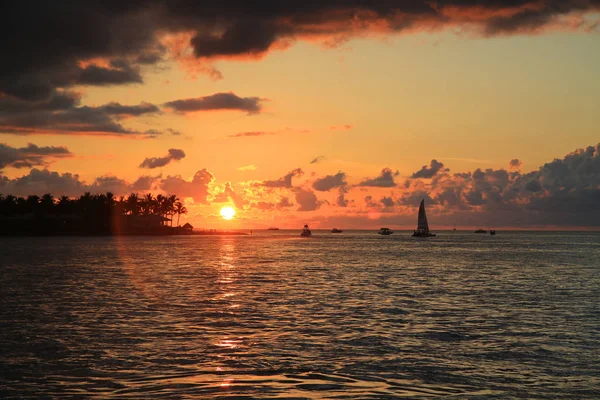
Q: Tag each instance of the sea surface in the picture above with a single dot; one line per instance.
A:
(273, 315)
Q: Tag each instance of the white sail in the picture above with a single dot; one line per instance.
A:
(422, 223)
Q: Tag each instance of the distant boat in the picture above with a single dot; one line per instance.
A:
(273, 229)
(305, 232)
(385, 231)
(492, 232)
(422, 225)
(480, 231)
(454, 227)
(336, 230)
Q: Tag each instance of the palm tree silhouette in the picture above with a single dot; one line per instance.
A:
(180, 209)
(133, 204)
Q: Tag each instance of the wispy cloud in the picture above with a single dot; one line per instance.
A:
(251, 134)
(268, 133)
(317, 159)
(345, 127)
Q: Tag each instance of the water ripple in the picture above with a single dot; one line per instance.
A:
(274, 316)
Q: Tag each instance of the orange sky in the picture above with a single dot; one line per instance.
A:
(357, 122)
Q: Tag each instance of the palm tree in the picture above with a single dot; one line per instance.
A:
(63, 205)
(47, 203)
(170, 201)
(148, 204)
(110, 200)
(8, 204)
(179, 209)
(132, 204)
(161, 207)
(32, 203)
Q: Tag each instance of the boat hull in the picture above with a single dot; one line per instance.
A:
(419, 234)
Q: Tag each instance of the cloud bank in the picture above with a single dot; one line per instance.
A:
(103, 43)
(385, 179)
(564, 192)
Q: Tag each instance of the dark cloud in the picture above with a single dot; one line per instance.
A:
(120, 72)
(60, 100)
(111, 184)
(385, 179)
(157, 162)
(533, 186)
(341, 200)
(145, 183)
(317, 159)
(387, 201)
(307, 200)
(217, 101)
(44, 181)
(284, 202)
(105, 42)
(60, 114)
(369, 201)
(284, 182)
(197, 188)
(514, 165)
(429, 172)
(450, 198)
(529, 19)
(329, 182)
(30, 155)
(151, 57)
(244, 36)
(39, 182)
(117, 109)
(414, 198)
(564, 192)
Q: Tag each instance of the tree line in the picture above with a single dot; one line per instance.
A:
(96, 211)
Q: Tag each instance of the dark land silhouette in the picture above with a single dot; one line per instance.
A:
(95, 214)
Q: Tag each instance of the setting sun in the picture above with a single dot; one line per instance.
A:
(227, 213)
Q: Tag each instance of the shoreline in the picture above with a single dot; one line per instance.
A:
(138, 233)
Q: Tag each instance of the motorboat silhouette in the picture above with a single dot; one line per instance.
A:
(305, 231)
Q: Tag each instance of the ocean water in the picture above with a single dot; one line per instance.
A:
(273, 315)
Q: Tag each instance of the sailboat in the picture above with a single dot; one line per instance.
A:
(422, 225)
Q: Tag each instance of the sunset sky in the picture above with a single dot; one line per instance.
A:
(333, 113)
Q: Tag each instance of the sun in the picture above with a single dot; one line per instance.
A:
(227, 213)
